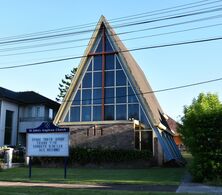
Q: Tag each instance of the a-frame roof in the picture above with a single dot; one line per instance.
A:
(152, 107)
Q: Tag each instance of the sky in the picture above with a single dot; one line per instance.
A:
(164, 67)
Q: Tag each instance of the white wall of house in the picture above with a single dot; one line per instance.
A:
(28, 116)
(5, 105)
(31, 117)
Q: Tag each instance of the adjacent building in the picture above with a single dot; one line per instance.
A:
(110, 103)
(22, 110)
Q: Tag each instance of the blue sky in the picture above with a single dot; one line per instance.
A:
(164, 67)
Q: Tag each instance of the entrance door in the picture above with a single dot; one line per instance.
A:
(143, 140)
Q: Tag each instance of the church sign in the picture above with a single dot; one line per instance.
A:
(47, 140)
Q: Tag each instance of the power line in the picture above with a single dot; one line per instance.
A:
(118, 26)
(127, 39)
(129, 17)
(128, 50)
(153, 91)
(170, 25)
(121, 33)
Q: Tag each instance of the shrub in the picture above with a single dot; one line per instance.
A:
(83, 156)
(202, 132)
(18, 154)
(98, 155)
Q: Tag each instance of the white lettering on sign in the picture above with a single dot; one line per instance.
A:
(48, 144)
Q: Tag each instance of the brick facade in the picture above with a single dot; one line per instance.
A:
(113, 136)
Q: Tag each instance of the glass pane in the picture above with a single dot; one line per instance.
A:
(121, 95)
(87, 80)
(109, 78)
(109, 95)
(133, 110)
(97, 113)
(108, 45)
(86, 113)
(8, 127)
(118, 66)
(121, 112)
(67, 118)
(98, 62)
(97, 96)
(76, 100)
(109, 62)
(109, 112)
(75, 114)
(86, 96)
(97, 79)
(131, 96)
(146, 140)
(143, 118)
(90, 67)
(99, 47)
(120, 78)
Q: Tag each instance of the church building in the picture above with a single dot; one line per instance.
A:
(110, 103)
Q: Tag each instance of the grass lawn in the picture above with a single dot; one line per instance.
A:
(48, 191)
(158, 175)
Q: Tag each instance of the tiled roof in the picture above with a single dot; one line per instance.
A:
(173, 125)
(27, 97)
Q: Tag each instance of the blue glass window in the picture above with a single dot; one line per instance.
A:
(109, 78)
(108, 45)
(133, 111)
(67, 118)
(97, 96)
(87, 80)
(121, 95)
(86, 113)
(109, 95)
(97, 79)
(90, 67)
(97, 113)
(109, 62)
(98, 62)
(76, 100)
(131, 96)
(109, 112)
(120, 78)
(118, 66)
(99, 47)
(121, 112)
(143, 118)
(75, 114)
(86, 96)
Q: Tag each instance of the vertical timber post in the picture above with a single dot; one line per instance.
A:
(30, 167)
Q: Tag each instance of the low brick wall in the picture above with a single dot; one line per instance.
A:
(113, 136)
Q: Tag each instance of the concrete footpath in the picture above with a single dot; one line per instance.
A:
(127, 187)
(187, 186)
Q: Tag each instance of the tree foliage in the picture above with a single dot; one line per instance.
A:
(64, 85)
(202, 134)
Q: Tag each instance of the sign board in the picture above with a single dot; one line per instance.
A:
(48, 140)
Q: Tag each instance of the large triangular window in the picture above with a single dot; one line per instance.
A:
(105, 91)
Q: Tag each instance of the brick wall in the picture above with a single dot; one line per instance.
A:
(115, 136)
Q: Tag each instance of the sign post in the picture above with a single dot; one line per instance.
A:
(48, 140)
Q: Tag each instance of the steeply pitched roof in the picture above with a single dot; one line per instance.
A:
(27, 97)
(153, 109)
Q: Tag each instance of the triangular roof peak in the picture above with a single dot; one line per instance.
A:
(152, 107)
